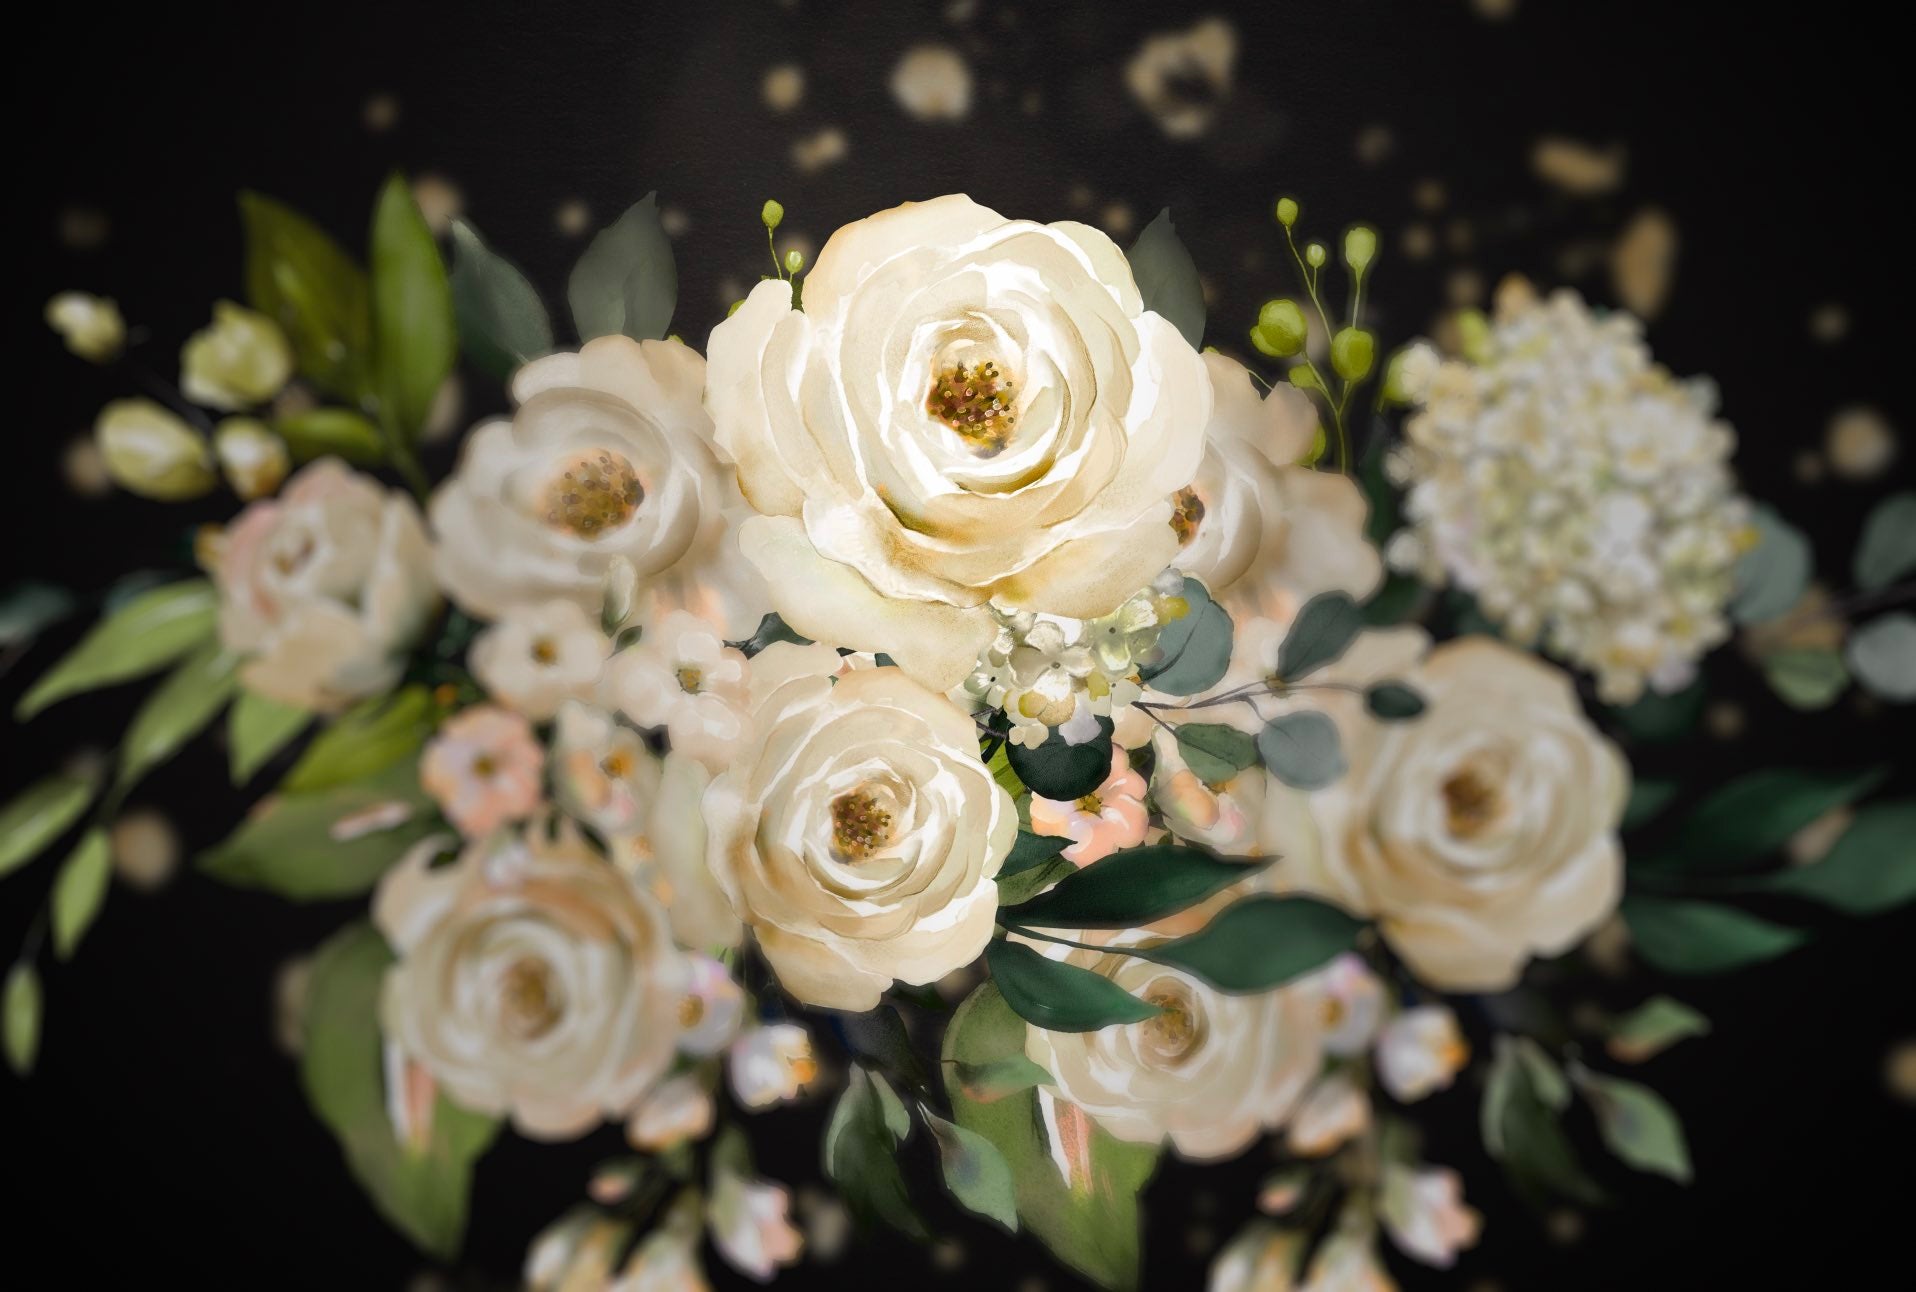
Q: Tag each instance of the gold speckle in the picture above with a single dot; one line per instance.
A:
(860, 827)
(783, 87)
(975, 402)
(596, 492)
(1860, 444)
(1578, 168)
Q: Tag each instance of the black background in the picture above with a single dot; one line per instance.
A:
(164, 1134)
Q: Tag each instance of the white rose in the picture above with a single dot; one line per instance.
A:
(969, 411)
(539, 656)
(858, 833)
(1265, 534)
(533, 978)
(1210, 1072)
(1481, 832)
(325, 588)
(609, 455)
(241, 361)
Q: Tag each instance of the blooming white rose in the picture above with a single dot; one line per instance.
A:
(858, 833)
(1210, 1072)
(538, 656)
(150, 451)
(325, 588)
(241, 361)
(970, 411)
(533, 978)
(1335, 1111)
(1481, 832)
(609, 455)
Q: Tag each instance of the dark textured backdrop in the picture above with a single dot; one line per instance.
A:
(164, 1134)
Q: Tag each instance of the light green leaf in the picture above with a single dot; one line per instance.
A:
(1693, 937)
(421, 1188)
(502, 322)
(1323, 630)
(148, 633)
(1754, 816)
(176, 711)
(1888, 548)
(1771, 577)
(80, 891)
(860, 1153)
(1060, 997)
(299, 278)
(1214, 752)
(27, 608)
(1302, 749)
(1520, 1126)
(1806, 679)
(1653, 1027)
(975, 1172)
(331, 432)
(256, 729)
(1882, 655)
(24, 1008)
(40, 815)
(1167, 278)
(1870, 869)
(367, 738)
(1262, 942)
(1194, 650)
(415, 340)
(1640, 1128)
(626, 282)
(985, 1082)
(1130, 888)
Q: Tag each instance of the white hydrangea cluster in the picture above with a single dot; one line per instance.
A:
(1577, 489)
(1052, 673)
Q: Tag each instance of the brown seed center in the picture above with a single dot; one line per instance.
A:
(975, 402)
(596, 492)
(860, 827)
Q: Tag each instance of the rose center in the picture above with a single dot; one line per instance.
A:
(530, 1003)
(596, 492)
(975, 403)
(1176, 1030)
(860, 826)
(544, 651)
(1472, 802)
(1091, 803)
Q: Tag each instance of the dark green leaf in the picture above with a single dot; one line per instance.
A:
(1772, 576)
(1393, 701)
(502, 322)
(178, 710)
(1871, 868)
(879, 1035)
(1692, 937)
(626, 282)
(331, 432)
(415, 341)
(1755, 815)
(80, 891)
(1648, 798)
(860, 1154)
(975, 1172)
(1062, 771)
(148, 633)
(1214, 752)
(1261, 943)
(1167, 278)
(1193, 651)
(23, 1008)
(1394, 602)
(1521, 1130)
(1030, 851)
(1060, 997)
(1652, 1028)
(1888, 548)
(1323, 630)
(1658, 719)
(27, 608)
(298, 277)
(1131, 888)
(1302, 749)
(41, 814)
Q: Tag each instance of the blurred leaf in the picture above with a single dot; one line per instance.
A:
(860, 1154)
(1323, 630)
(1261, 942)
(331, 432)
(256, 729)
(1870, 869)
(40, 814)
(299, 278)
(1393, 701)
(995, 1078)
(879, 1035)
(1520, 1127)
(1060, 997)
(179, 708)
(28, 608)
(415, 341)
(976, 1173)
(24, 1008)
(1648, 798)
(1062, 771)
(1640, 1128)
(421, 1189)
(1193, 651)
(1167, 278)
(148, 633)
(1302, 749)
(1806, 679)
(1888, 548)
(1695, 937)
(1656, 718)
(1214, 752)
(1882, 655)
(1395, 601)
(1754, 816)
(502, 322)
(367, 738)
(626, 282)
(1772, 576)
(1653, 1027)
(1028, 882)
(1130, 888)
(80, 891)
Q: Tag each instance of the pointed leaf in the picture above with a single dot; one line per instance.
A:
(1324, 628)
(1060, 997)
(627, 281)
(415, 340)
(1193, 651)
(1640, 1128)
(502, 322)
(1262, 942)
(1167, 278)
(256, 729)
(148, 633)
(1131, 888)
(975, 1172)
(23, 1008)
(1691, 937)
(1302, 749)
(80, 891)
(40, 815)
(298, 277)
(1888, 548)
(177, 711)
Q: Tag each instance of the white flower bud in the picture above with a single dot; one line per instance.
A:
(241, 360)
(91, 326)
(252, 457)
(151, 452)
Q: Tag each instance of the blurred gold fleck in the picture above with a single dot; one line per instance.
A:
(440, 202)
(295, 399)
(1182, 78)
(145, 847)
(1860, 443)
(381, 113)
(1200, 1239)
(1644, 261)
(1459, 236)
(85, 468)
(1899, 1070)
(1080, 197)
(1419, 242)
(1494, 10)
(448, 406)
(730, 289)
(1608, 949)
(1374, 145)
(1031, 103)
(783, 87)
(1428, 195)
(933, 83)
(1565, 1226)
(1117, 219)
(1578, 168)
(1813, 842)
(675, 221)
(819, 150)
(1464, 287)
(1829, 323)
(1808, 466)
(83, 228)
(828, 1225)
(947, 1254)
(573, 218)
(1724, 720)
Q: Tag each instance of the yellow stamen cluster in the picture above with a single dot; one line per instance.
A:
(975, 402)
(859, 826)
(596, 492)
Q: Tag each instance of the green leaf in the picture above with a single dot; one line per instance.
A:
(256, 729)
(1062, 771)
(976, 1173)
(1522, 1099)
(1167, 278)
(1060, 997)
(80, 891)
(1261, 943)
(422, 1189)
(367, 738)
(1870, 869)
(1888, 548)
(24, 1008)
(502, 322)
(1755, 815)
(626, 282)
(1648, 799)
(415, 341)
(1772, 576)
(1302, 749)
(1193, 651)
(298, 277)
(996, 1078)
(1658, 719)
(1131, 888)
(41, 814)
(331, 432)
(1323, 630)
(1806, 679)
(28, 608)
(1882, 655)
(860, 1153)
(148, 633)
(1640, 1128)
(327, 843)
(1089, 1219)
(1394, 602)
(1214, 752)
(1393, 701)
(1033, 866)
(1653, 1027)
(1693, 937)
(178, 710)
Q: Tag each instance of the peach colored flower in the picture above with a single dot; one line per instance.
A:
(1424, 1213)
(484, 768)
(1107, 819)
(750, 1225)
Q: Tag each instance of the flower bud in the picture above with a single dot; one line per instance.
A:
(242, 360)
(794, 261)
(1286, 211)
(1282, 325)
(771, 213)
(1360, 247)
(253, 459)
(1315, 255)
(1304, 377)
(151, 452)
(1353, 350)
(91, 326)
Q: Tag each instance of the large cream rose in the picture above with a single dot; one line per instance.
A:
(609, 455)
(1265, 534)
(533, 978)
(1210, 1073)
(1479, 833)
(325, 588)
(969, 411)
(858, 834)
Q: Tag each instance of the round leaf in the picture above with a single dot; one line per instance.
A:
(1302, 749)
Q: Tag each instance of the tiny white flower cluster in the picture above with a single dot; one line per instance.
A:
(1047, 672)
(1578, 490)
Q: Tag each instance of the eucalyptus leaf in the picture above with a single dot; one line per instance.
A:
(1882, 655)
(1167, 278)
(1806, 679)
(1521, 1130)
(502, 322)
(1060, 997)
(1695, 937)
(1888, 548)
(41, 814)
(975, 1172)
(1193, 651)
(179, 709)
(23, 1008)
(860, 1154)
(1302, 749)
(1322, 631)
(298, 276)
(153, 630)
(1062, 771)
(415, 341)
(1772, 576)
(1262, 942)
(1214, 752)
(80, 890)
(1870, 869)
(1639, 1127)
(1392, 701)
(331, 432)
(256, 729)
(627, 281)
(1130, 888)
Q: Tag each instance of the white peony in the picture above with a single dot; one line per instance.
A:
(970, 411)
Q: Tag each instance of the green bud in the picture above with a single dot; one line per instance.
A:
(1473, 332)
(1319, 443)
(1315, 255)
(1282, 324)
(1304, 377)
(1286, 211)
(1396, 387)
(1352, 352)
(1265, 345)
(771, 213)
(794, 261)
(1360, 247)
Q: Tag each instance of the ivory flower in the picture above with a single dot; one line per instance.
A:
(1424, 1213)
(1347, 1262)
(241, 361)
(858, 833)
(680, 1109)
(253, 459)
(483, 767)
(1109, 818)
(970, 411)
(603, 775)
(1336, 1110)
(1263, 1258)
(683, 677)
(150, 451)
(538, 656)
(750, 1224)
(533, 979)
(609, 455)
(713, 1006)
(325, 589)
(1420, 1052)
(675, 867)
(91, 326)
